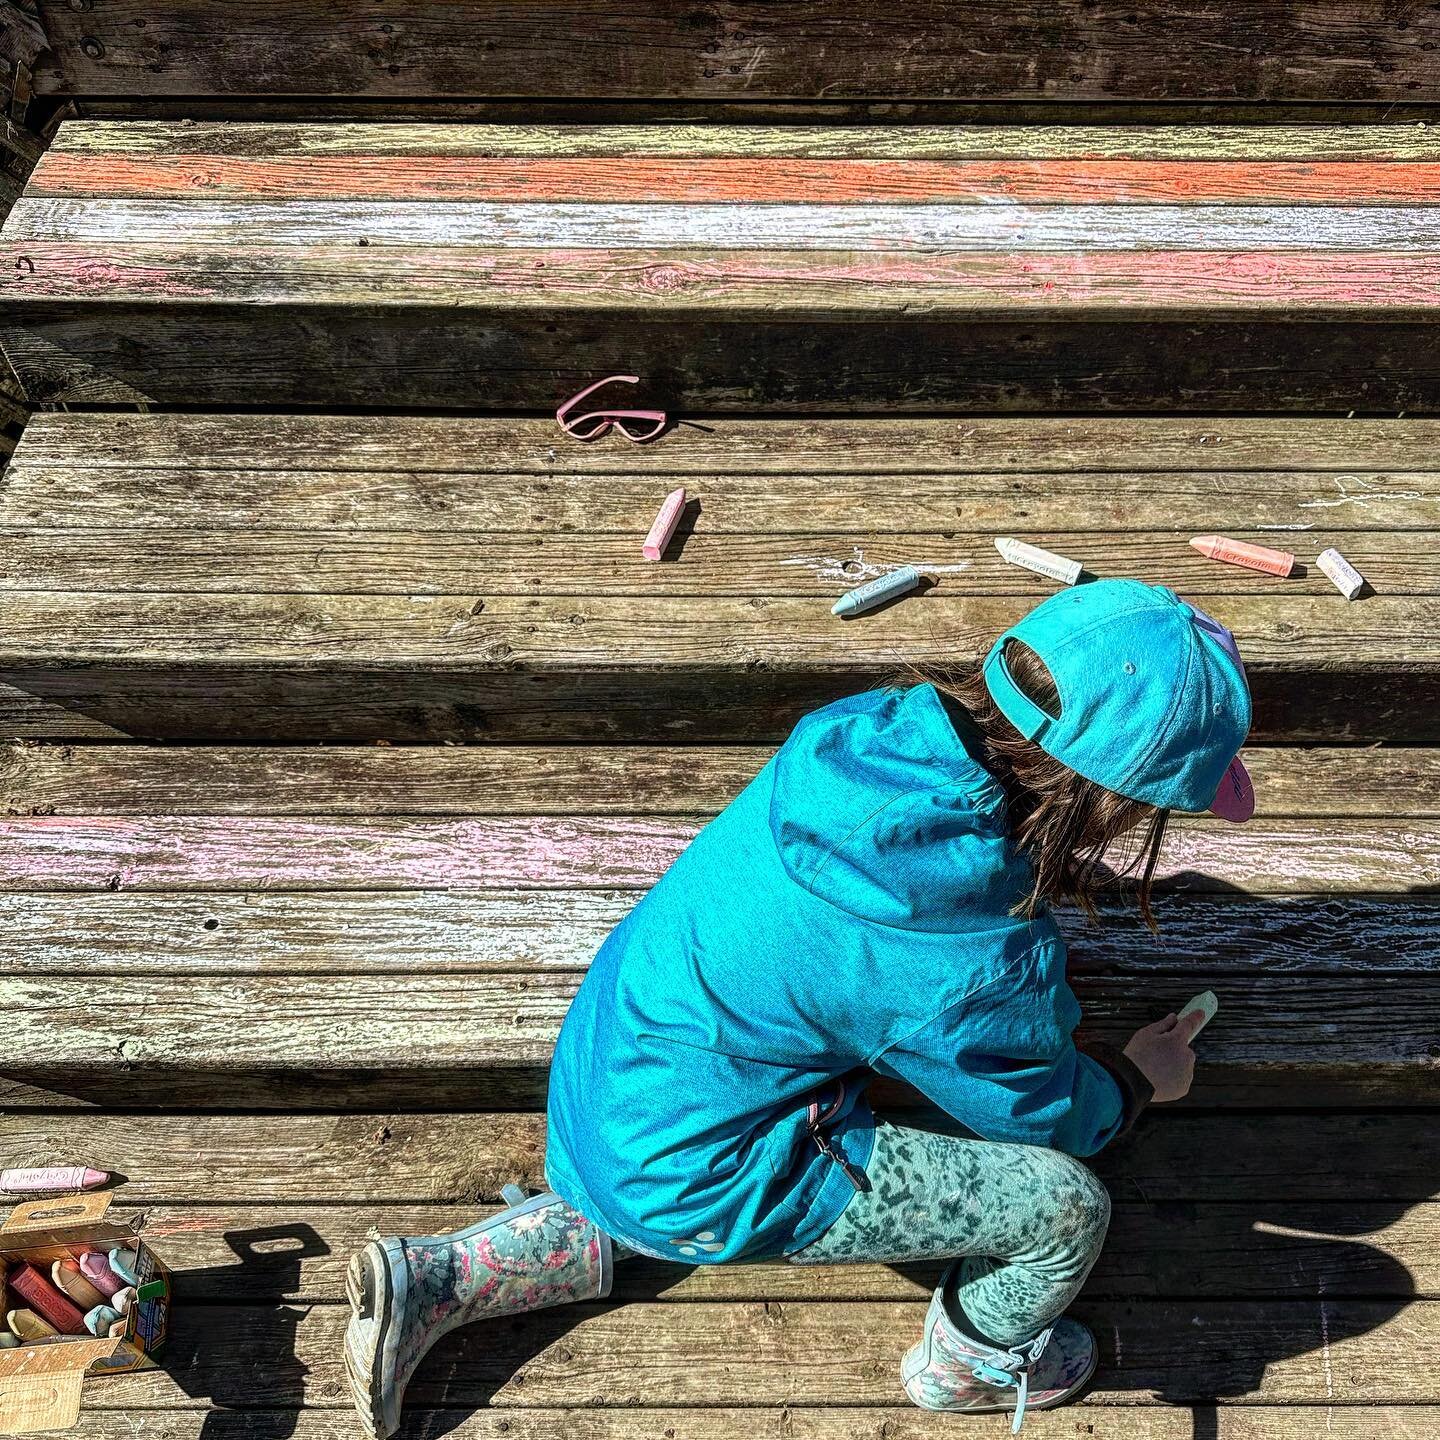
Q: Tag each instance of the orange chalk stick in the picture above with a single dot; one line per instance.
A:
(1237, 552)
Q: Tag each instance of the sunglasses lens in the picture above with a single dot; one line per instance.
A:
(640, 431)
(588, 427)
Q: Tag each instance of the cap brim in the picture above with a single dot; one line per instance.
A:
(1235, 799)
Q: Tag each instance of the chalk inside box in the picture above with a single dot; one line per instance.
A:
(80, 1294)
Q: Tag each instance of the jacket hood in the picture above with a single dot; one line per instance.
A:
(884, 813)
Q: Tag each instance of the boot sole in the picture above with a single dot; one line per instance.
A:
(370, 1338)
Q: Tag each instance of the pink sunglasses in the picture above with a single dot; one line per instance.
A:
(581, 428)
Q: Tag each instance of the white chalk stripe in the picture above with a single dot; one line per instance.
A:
(727, 227)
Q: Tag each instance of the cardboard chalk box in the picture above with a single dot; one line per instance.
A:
(40, 1382)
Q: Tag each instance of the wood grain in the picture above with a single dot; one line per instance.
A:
(535, 668)
(1292, 782)
(79, 853)
(173, 243)
(225, 1253)
(281, 1161)
(232, 137)
(427, 932)
(475, 1040)
(1296, 507)
(1231, 1422)
(433, 359)
(737, 49)
(740, 178)
(235, 557)
(715, 1353)
(1219, 447)
(480, 633)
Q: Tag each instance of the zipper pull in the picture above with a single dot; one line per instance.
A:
(855, 1176)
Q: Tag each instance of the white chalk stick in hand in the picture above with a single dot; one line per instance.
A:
(1206, 1003)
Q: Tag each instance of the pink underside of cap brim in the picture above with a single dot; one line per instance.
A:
(1235, 799)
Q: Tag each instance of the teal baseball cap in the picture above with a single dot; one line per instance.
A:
(1154, 703)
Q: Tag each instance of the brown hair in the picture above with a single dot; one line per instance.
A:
(1063, 823)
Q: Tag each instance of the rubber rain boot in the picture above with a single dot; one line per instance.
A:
(406, 1293)
(948, 1370)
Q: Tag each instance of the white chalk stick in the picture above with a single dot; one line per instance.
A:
(1343, 575)
(1206, 1003)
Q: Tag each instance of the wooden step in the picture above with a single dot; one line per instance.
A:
(243, 578)
(142, 955)
(505, 267)
(738, 50)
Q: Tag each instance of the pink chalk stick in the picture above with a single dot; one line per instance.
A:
(664, 526)
(96, 1269)
(42, 1181)
(1237, 552)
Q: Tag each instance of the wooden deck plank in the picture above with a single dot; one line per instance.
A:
(1292, 507)
(1291, 782)
(467, 1040)
(354, 702)
(234, 1253)
(311, 250)
(713, 1353)
(88, 853)
(724, 445)
(251, 668)
(281, 1161)
(1255, 49)
(257, 561)
(1278, 630)
(570, 178)
(430, 357)
(1400, 143)
(1231, 1422)
(439, 932)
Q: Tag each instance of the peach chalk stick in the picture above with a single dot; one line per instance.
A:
(1237, 552)
(65, 1276)
(664, 526)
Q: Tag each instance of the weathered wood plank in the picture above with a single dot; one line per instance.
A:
(1230, 1422)
(1404, 143)
(236, 557)
(1216, 447)
(738, 178)
(227, 1254)
(1280, 629)
(88, 852)
(348, 702)
(75, 494)
(1152, 283)
(713, 1353)
(432, 358)
(547, 667)
(466, 1040)
(736, 49)
(284, 1161)
(1307, 783)
(426, 932)
(313, 250)
(529, 779)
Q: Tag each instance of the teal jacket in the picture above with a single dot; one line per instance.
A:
(850, 912)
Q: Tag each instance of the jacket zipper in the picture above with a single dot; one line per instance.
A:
(818, 1119)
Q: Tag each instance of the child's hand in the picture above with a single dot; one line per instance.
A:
(1163, 1055)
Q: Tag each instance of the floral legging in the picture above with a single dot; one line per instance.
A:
(1029, 1223)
